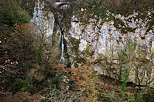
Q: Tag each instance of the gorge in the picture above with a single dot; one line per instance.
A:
(77, 50)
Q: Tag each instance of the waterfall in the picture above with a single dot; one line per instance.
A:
(44, 20)
(62, 59)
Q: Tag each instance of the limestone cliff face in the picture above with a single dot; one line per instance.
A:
(43, 18)
(110, 45)
(102, 44)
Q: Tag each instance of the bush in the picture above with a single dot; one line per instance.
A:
(12, 13)
(22, 85)
(17, 42)
(87, 84)
(27, 5)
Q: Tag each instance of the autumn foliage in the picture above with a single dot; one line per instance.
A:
(85, 81)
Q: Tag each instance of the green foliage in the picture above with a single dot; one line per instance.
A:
(94, 1)
(139, 96)
(88, 48)
(27, 5)
(126, 55)
(12, 13)
(39, 52)
(127, 58)
(98, 9)
(22, 85)
(75, 44)
(27, 85)
(54, 82)
(123, 87)
(131, 47)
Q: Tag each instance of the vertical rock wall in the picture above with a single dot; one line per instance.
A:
(43, 18)
(102, 43)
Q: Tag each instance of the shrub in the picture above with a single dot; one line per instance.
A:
(87, 84)
(22, 85)
(128, 61)
(23, 45)
(12, 13)
(18, 51)
(27, 5)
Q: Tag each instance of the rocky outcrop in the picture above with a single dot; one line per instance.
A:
(102, 44)
(43, 18)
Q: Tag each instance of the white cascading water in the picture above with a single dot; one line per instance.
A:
(62, 59)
